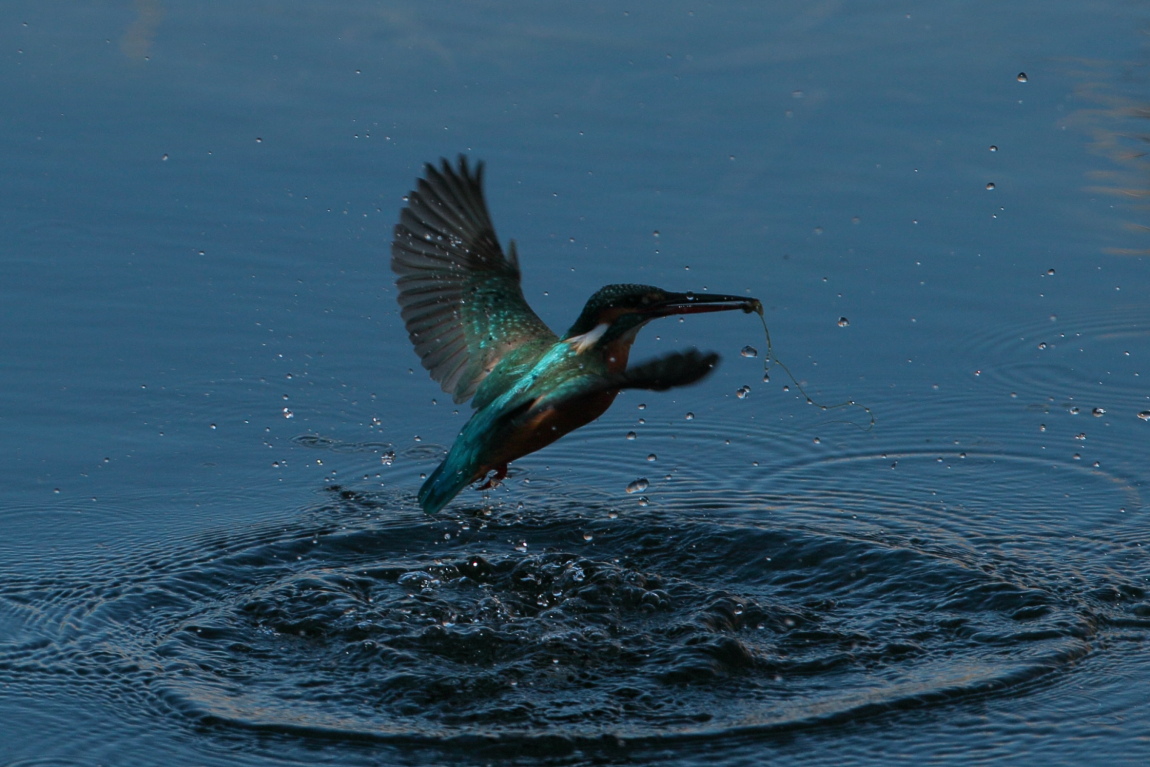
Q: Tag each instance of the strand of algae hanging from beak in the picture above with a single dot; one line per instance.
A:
(757, 308)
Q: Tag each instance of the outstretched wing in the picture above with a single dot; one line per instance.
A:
(666, 372)
(459, 295)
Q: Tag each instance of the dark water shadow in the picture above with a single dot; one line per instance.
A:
(565, 627)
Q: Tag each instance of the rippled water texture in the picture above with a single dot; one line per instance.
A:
(796, 602)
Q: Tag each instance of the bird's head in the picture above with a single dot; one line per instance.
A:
(616, 312)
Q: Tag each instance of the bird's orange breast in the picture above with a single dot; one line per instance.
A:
(540, 428)
(551, 423)
(616, 354)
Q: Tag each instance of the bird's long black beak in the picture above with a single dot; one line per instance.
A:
(697, 303)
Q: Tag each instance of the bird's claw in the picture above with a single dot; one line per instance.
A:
(494, 480)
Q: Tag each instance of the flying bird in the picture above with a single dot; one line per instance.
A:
(463, 306)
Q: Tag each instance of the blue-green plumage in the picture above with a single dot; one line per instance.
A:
(465, 313)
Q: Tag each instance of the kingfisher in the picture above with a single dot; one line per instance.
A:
(462, 304)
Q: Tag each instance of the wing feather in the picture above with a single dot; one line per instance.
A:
(459, 294)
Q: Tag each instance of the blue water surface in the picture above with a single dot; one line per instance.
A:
(211, 549)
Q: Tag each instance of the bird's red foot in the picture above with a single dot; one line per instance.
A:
(494, 480)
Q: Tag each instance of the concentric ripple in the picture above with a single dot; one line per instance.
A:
(1085, 360)
(553, 627)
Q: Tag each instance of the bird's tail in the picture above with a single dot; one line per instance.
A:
(444, 484)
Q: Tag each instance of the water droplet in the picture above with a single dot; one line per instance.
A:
(1098, 412)
(749, 351)
(742, 392)
(843, 322)
(643, 501)
(1080, 435)
(1050, 272)
(288, 413)
(212, 426)
(631, 435)
(521, 546)
(993, 148)
(690, 416)
(642, 406)
(638, 486)
(1144, 415)
(1074, 410)
(1042, 345)
(259, 140)
(990, 186)
(1021, 77)
(164, 158)
(417, 580)
(652, 457)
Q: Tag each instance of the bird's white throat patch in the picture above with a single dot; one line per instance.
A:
(585, 341)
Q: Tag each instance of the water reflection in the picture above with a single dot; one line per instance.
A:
(1120, 134)
(138, 38)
